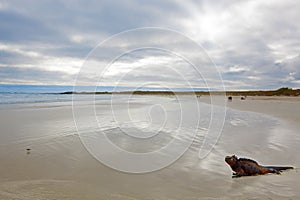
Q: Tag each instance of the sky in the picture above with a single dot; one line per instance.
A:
(253, 44)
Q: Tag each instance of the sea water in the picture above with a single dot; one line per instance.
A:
(18, 94)
(12, 94)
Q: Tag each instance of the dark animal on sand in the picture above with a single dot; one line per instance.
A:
(28, 150)
(248, 167)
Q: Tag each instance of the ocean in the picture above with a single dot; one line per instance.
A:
(16, 94)
(12, 94)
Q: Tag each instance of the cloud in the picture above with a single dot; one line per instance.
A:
(238, 69)
(254, 43)
(20, 56)
(20, 75)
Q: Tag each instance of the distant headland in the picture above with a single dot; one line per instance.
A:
(279, 92)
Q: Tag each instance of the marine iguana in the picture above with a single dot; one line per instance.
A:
(248, 167)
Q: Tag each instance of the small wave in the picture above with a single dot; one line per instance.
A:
(23, 98)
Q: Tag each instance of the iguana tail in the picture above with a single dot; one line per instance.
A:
(277, 168)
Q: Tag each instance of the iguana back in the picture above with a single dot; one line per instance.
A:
(248, 167)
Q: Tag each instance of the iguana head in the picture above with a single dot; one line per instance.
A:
(231, 160)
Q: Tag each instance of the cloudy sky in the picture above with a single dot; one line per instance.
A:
(254, 44)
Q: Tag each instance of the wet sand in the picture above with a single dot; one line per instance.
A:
(59, 167)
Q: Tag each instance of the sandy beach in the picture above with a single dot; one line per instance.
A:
(283, 107)
(58, 166)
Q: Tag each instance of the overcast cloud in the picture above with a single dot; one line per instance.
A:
(255, 44)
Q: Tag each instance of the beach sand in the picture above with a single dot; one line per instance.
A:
(57, 166)
(283, 107)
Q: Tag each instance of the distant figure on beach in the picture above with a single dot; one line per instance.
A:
(248, 167)
(243, 98)
(230, 98)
